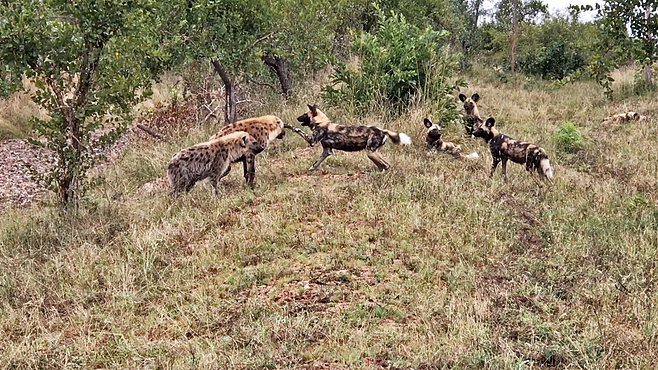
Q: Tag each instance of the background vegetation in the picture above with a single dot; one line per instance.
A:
(431, 265)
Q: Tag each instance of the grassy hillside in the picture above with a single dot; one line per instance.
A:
(431, 265)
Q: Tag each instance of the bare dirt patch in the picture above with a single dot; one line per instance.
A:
(16, 186)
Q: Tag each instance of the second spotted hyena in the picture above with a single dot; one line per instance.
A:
(211, 160)
(263, 129)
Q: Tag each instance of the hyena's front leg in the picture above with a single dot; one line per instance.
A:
(249, 165)
(496, 160)
(325, 153)
(301, 133)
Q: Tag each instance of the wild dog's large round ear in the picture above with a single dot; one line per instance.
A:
(462, 97)
(314, 109)
(243, 141)
(427, 123)
(475, 97)
(490, 122)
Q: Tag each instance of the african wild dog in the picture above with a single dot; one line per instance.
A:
(503, 147)
(473, 119)
(624, 117)
(435, 142)
(263, 129)
(348, 138)
(211, 159)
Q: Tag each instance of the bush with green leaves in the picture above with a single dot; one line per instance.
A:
(567, 138)
(396, 63)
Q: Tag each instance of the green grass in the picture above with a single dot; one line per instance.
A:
(431, 265)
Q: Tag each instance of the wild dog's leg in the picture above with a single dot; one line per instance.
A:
(325, 153)
(301, 133)
(496, 160)
(505, 169)
(379, 160)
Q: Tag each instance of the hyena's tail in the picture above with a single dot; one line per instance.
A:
(398, 138)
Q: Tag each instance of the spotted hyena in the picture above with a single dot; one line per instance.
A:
(263, 129)
(211, 160)
(503, 147)
(348, 138)
(435, 142)
(473, 118)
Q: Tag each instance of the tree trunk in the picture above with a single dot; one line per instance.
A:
(515, 33)
(647, 76)
(229, 111)
(647, 66)
(280, 67)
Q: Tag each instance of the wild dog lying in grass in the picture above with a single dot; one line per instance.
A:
(503, 147)
(473, 119)
(348, 138)
(263, 129)
(435, 142)
(211, 159)
(624, 117)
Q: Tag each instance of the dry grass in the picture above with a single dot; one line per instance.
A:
(16, 112)
(430, 266)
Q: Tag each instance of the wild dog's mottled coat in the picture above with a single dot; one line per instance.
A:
(624, 117)
(211, 159)
(263, 129)
(348, 138)
(503, 147)
(473, 119)
(435, 142)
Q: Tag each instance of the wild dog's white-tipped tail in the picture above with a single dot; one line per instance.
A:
(473, 156)
(404, 139)
(546, 168)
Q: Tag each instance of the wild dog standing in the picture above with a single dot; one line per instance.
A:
(211, 159)
(473, 118)
(263, 129)
(503, 147)
(435, 142)
(624, 117)
(348, 138)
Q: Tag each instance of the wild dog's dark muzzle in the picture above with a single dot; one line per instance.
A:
(304, 119)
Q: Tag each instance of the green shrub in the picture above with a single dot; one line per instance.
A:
(553, 61)
(397, 62)
(567, 138)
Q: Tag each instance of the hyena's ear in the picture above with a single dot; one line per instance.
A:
(475, 97)
(427, 123)
(243, 141)
(462, 97)
(490, 122)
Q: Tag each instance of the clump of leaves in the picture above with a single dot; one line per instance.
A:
(397, 62)
(567, 138)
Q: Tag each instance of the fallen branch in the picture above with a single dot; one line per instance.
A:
(152, 132)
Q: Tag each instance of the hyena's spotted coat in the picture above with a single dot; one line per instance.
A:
(347, 138)
(503, 147)
(263, 129)
(473, 119)
(211, 160)
(435, 142)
